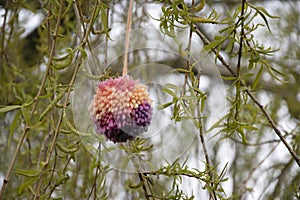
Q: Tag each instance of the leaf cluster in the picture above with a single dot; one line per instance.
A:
(177, 14)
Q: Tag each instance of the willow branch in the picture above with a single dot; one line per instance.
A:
(36, 100)
(260, 106)
(238, 67)
(65, 104)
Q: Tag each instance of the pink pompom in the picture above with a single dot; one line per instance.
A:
(121, 109)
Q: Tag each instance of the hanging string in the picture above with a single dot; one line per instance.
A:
(127, 36)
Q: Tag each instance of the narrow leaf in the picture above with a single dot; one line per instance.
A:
(196, 19)
(27, 173)
(9, 108)
(257, 78)
(217, 124)
(215, 43)
(51, 105)
(25, 114)
(25, 185)
(66, 149)
(13, 127)
(82, 51)
(172, 86)
(170, 92)
(163, 106)
(263, 13)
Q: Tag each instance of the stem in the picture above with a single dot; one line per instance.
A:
(3, 33)
(199, 115)
(127, 37)
(202, 139)
(238, 68)
(142, 180)
(137, 162)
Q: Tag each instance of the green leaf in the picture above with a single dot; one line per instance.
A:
(217, 124)
(230, 45)
(64, 61)
(215, 43)
(27, 184)
(257, 78)
(263, 13)
(27, 173)
(125, 162)
(82, 51)
(52, 104)
(196, 19)
(182, 70)
(62, 179)
(74, 130)
(199, 6)
(263, 10)
(104, 22)
(253, 59)
(163, 106)
(243, 135)
(135, 186)
(13, 127)
(172, 86)
(170, 92)
(251, 128)
(66, 149)
(229, 78)
(25, 114)
(9, 108)
(202, 103)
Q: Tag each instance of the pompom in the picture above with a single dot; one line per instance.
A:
(121, 109)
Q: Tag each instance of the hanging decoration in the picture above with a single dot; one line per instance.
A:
(121, 108)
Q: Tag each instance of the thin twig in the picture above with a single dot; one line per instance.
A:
(201, 134)
(51, 177)
(274, 127)
(244, 184)
(127, 37)
(255, 144)
(238, 67)
(142, 180)
(3, 33)
(202, 139)
(137, 164)
(98, 171)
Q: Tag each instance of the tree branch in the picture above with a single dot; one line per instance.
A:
(260, 106)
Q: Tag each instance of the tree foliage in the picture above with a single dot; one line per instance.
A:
(50, 151)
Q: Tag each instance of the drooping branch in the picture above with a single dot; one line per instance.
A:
(254, 99)
(36, 101)
(79, 58)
